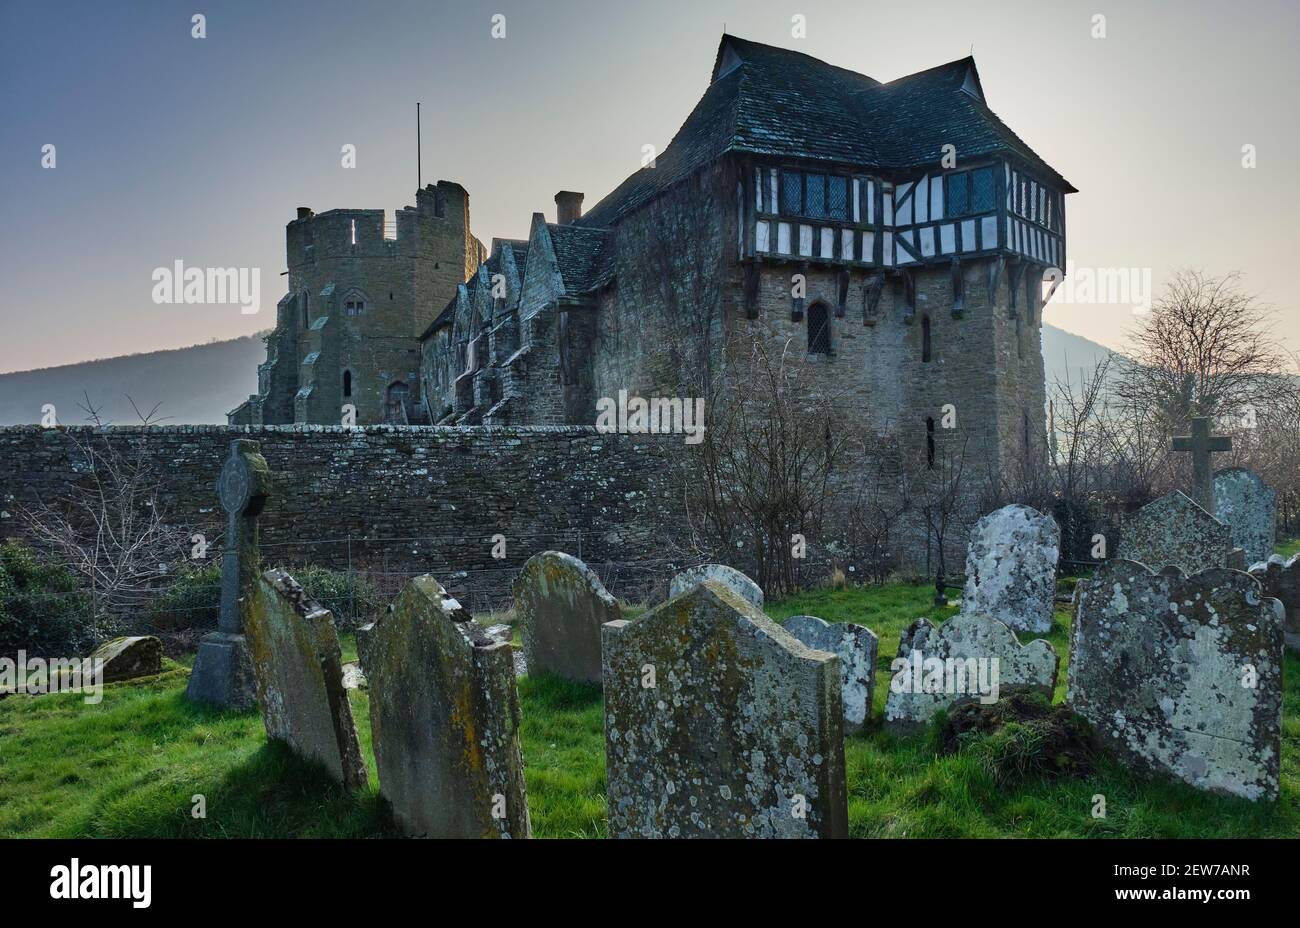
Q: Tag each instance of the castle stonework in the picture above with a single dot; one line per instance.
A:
(360, 294)
(894, 235)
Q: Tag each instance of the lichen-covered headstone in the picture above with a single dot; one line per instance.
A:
(1173, 531)
(856, 646)
(718, 723)
(128, 658)
(1011, 568)
(560, 605)
(1182, 674)
(728, 576)
(299, 673)
(1248, 506)
(969, 658)
(444, 719)
(1281, 581)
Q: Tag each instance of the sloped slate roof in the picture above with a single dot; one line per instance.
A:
(583, 256)
(787, 104)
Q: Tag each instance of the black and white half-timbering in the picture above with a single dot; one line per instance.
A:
(718, 723)
(1183, 674)
(1011, 568)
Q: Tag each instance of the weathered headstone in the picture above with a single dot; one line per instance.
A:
(1182, 674)
(299, 673)
(969, 658)
(718, 723)
(1248, 506)
(1174, 531)
(856, 646)
(561, 605)
(728, 576)
(223, 670)
(1011, 568)
(444, 719)
(1201, 444)
(128, 658)
(1281, 581)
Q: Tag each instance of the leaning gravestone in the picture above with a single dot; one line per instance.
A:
(718, 723)
(223, 670)
(856, 646)
(444, 718)
(128, 658)
(727, 576)
(299, 672)
(969, 658)
(1281, 581)
(1248, 506)
(1011, 568)
(1182, 674)
(561, 605)
(1174, 531)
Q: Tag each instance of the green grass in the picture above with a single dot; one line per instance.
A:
(129, 766)
(1288, 548)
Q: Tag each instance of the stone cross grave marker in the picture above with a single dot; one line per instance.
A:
(223, 672)
(1201, 444)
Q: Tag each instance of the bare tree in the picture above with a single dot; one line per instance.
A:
(110, 527)
(1205, 349)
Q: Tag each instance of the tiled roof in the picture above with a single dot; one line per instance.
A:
(772, 101)
(583, 256)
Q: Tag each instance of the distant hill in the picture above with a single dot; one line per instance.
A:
(196, 385)
(200, 384)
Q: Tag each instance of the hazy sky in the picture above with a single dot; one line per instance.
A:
(174, 148)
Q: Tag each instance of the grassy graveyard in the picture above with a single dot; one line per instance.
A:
(132, 765)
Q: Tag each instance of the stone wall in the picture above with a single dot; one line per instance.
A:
(395, 502)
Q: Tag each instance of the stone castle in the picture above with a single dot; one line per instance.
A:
(895, 234)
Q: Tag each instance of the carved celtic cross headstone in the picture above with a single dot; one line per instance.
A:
(1200, 443)
(223, 670)
(243, 486)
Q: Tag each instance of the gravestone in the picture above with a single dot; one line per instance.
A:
(444, 719)
(1281, 581)
(1248, 506)
(1182, 674)
(299, 673)
(1011, 568)
(969, 658)
(728, 576)
(561, 605)
(1174, 531)
(856, 646)
(718, 723)
(223, 670)
(128, 658)
(1201, 444)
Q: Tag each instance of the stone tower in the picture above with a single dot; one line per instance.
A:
(360, 292)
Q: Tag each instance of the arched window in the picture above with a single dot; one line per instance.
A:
(306, 310)
(929, 442)
(925, 338)
(395, 401)
(347, 384)
(819, 329)
(1026, 417)
(354, 305)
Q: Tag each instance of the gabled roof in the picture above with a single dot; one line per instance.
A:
(583, 256)
(767, 100)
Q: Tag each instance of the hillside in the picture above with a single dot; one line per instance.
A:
(196, 385)
(200, 384)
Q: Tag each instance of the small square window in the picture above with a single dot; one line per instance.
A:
(815, 205)
(837, 197)
(791, 193)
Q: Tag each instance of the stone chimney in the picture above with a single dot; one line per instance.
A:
(304, 212)
(568, 207)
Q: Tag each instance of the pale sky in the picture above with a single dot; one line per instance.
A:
(174, 148)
